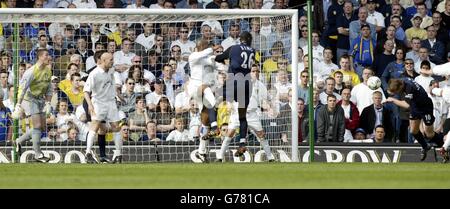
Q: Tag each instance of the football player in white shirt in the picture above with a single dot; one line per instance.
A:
(442, 70)
(100, 86)
(201, 63)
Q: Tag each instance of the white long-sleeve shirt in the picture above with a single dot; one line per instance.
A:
(197, 63)
(178, 136)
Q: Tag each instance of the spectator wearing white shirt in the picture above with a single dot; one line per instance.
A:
(374, 17)
(216, 27)
(316, 47)
(147, 38)
(329, 90)
(361, 92)
(87, 4)
(233, 39)
(179, 134)
(159, 5)
(282, 86)
(424, 79)
(182, 100)
(137, 5)
(423, 56)
(122, 58)
(186, 46)
(153, 98)
(326, 67)
(90, 61)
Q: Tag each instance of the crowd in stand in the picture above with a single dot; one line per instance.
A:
(359, 39)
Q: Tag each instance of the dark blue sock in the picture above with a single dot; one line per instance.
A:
(212, 117)
(421, 140)
(102, 145)
(243, 129)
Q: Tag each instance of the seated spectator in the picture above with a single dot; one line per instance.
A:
(151, 132)
(66, 84)
(64, 119)
(88, 4)
(360, 91)
(410, 72)
(282, 86)
(90, 61)
(75, 93)
(180, 134)
(360, 137)
(138, 119)
(58, 94)
(141, 85)
(330, 122)
(152, 99)
(270, 65)
(165, 118)
(423, 12)
(125, 132)
(380, 134)
(127, 103)
(182, 100)
(72, 134)
(83, 50)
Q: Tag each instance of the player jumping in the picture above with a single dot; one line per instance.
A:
(238, 86)
(200, 63)
(421, 110)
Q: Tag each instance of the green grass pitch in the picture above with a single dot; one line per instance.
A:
(226, 175)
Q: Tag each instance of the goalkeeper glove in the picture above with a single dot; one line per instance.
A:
(17, 112)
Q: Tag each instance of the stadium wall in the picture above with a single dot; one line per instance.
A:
(149, 152)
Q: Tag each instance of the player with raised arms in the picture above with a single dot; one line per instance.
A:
(201, 63)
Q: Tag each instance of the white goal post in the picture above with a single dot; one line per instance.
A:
(102, 16)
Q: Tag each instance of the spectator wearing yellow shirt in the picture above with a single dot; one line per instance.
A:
(66, 84)
(270, 65)
(350, 77)
(416, 30)
(75, 93)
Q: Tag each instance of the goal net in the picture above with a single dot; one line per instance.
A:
(151, 50)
